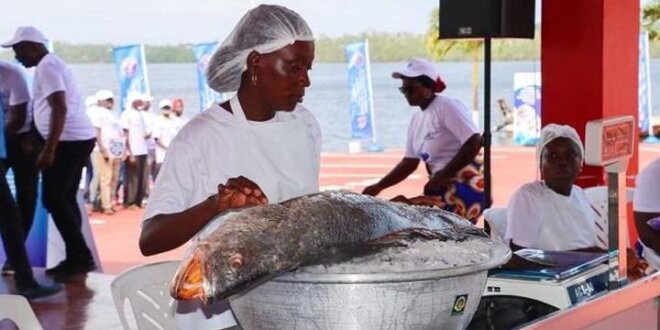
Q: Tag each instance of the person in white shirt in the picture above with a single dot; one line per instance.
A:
(443, 136)
(60, 119)
(137, 133)
(646, 205)
(177, 109)
(212, 166)
(165, 129)
(150, 122)
(92, 181)
(110, 141)
(553, 214)
(23, 147)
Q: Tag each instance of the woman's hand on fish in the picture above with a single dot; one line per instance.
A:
(238, 193)
(372, 190)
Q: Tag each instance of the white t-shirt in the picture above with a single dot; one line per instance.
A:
(436, 133)
(647, 192)
(112, 135)
(133, 121)
(194, 167)
(538, 217)
(14, 91)
(52, 75)
(165, 129)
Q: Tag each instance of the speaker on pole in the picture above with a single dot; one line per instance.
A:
(486, 19)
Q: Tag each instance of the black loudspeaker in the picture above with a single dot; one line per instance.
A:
(486, 18)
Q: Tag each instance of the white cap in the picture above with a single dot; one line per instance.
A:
(165, 103)
(26, 33)
(146, 97)
(417, 67)
(90, 101)
(551, 132)
(104, 94)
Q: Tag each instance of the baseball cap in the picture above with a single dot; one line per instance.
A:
(104, 94)
(417, 67)
(165, 103)
(26, 33)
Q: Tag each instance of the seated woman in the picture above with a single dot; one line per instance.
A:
(553, 214)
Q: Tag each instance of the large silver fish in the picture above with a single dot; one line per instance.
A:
(262, 242)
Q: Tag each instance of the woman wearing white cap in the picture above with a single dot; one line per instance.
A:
(260, 147)
(553, 213)
(443, 136)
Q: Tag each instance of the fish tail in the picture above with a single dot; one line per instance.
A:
(187, 283)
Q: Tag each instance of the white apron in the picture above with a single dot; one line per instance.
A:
(565, 225)
(280, 159)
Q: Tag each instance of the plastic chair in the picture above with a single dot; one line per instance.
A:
(17, 309)
(146, 288)
(496, 218)
(597, 197)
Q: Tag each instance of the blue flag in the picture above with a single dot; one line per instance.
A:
(644, 84)
(360, 102)
(203, 53)
(131, 67)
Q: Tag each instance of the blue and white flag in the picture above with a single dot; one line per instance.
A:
(131, 66)
(527, 108)
(360, 102)
(203, 53)
(644, 84)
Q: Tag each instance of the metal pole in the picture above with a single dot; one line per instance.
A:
(486, 136)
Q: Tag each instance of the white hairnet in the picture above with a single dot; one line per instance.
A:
(263, 29)
(553, 131)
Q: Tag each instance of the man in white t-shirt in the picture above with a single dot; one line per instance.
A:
(150, 121)
(553, 214)
(165, 129)
(135, 169)
(22, 146)
(60, 119)
(92, 181)
(177, 109)
(110, 143)
(646, 205)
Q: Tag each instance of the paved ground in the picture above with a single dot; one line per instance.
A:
(117, 235)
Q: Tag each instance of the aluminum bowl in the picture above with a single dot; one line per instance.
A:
(430, 299)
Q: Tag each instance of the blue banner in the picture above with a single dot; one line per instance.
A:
(203, 53)
(644, 84)
(360, 102)
(131, 67)
(527, 108)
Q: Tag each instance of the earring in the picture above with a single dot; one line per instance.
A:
(254, 80)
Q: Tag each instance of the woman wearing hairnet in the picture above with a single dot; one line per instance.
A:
(444, 137)
(259, 147)
(553, 214)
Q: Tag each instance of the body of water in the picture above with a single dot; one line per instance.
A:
(327, 97)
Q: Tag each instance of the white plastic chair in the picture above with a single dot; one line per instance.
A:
(17, 309)
(146, 288)
(496, 218)
(597, 197)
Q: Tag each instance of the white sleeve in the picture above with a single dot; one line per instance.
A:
(410, 152)
(176, 182)
(51, 79)
(522, 218)
(458, 121)
(18, 92)
(647, 192)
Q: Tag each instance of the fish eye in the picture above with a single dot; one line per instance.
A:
(235, 261)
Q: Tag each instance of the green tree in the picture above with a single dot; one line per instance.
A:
(651, 19)
(440, 48)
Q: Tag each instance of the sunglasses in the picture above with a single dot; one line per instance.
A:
(407, 89)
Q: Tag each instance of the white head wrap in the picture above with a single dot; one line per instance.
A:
(553, 131)
(263, 29)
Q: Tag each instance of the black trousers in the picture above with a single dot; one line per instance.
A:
(60, 187)
(22, 152)
(136, 181)
(12, 235)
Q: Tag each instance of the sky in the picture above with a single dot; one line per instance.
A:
(190, 21)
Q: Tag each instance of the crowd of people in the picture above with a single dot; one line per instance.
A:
(130, 148)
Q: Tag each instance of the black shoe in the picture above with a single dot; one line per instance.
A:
(7, 270)
(74, 268)
(38, 291)
(61, 266)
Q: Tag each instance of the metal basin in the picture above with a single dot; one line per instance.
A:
(429, 299)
